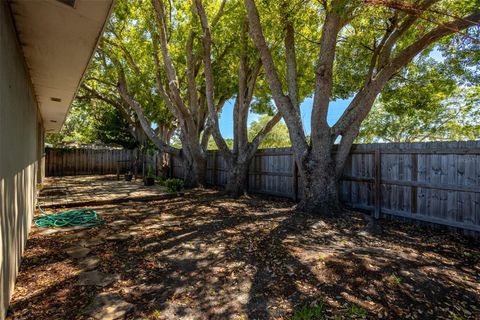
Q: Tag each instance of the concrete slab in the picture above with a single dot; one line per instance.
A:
(77, 252)
(108, 306)
(78, 191)
(89, 263)
(119, 236)
(96, 278)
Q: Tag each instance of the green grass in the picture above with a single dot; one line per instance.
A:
(309, 312)
(357, 312)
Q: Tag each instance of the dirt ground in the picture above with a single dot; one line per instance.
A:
(206, 256)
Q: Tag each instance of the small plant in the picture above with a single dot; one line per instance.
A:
(149, 179)
(357, 312)
(309, 312)
(156, 314)
(35, 260)
(150, 173)
(173, 185)
(456, 316)
(396, 280)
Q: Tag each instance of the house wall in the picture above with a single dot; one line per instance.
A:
(21, 145)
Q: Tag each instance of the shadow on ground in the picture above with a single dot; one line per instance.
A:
(206, 256)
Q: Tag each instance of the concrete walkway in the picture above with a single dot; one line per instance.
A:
(75, 191)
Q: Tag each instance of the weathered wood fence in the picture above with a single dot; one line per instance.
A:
(436, 182)
(83, 161)
(72, 161)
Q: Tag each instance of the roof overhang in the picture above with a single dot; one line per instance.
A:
(58, 39)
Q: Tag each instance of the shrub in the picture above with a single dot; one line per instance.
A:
(173, 185)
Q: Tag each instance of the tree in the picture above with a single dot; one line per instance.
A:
(78, 127)
(429, 100)
(125, 56)
(362, 45)
(184, 95)
(239, 157)
(454, 118)
(194, 79)
(112, 128)
(93, 122)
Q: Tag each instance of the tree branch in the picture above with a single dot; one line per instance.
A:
(114, 103)
(263, 132)
(284, 104)
(324, 77)
(386, 49)
(125, 51)
(173, 83)
(219, 14)
(159, 143)
(291, 61)
(363, 100)
(191, 75)
(209, 81)
(434, 35)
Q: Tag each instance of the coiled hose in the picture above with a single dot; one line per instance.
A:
(71, 218)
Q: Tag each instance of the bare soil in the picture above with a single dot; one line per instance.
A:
(207, 256)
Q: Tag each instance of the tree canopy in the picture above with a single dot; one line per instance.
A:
(428, 101)
(93, 122)
(170, 66)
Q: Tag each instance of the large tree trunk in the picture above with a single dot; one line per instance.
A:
(237, 180)
(320, 185)
(320, 193)
(200, 171)
(194, 164)
(194, 172)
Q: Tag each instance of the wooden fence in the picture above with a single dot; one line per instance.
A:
(436, 182)
(70, 161)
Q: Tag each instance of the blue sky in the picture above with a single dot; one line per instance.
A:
(335, 111)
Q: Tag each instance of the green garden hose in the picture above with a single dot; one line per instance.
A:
(72, 218)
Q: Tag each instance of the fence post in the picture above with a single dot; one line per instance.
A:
(215, 173)
(295, 179)
(378, 182)
(413, 189)
(118, 171)
(170, 165)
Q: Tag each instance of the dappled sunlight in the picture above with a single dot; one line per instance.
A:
(209, 256)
